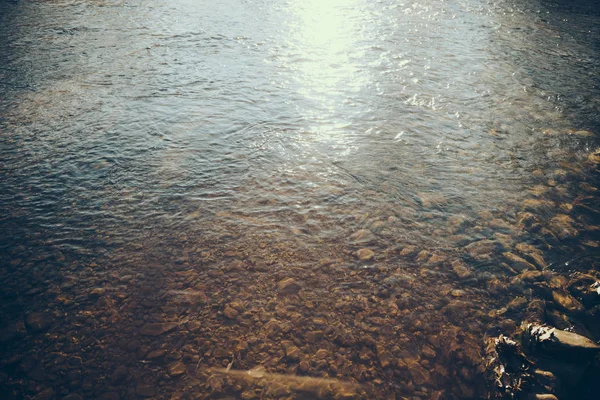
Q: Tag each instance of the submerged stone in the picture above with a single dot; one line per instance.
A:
(565, 301)
(365, 254)
(288, 286)
(562, 226)
(145, 390)
(518, 263)
(177, 369)
(418, 374)
(38, 321)
(157, 329)
(595, 157)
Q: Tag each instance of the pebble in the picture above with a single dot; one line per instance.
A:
(314, 336)
(365, 254)
(304, 366)
(288, 286)
(321, 354)
(38, 321)
(145, 390)
(46, 394)
(177, 369)
(119, 375)
(109, 396)
(293, 352)
(418, 374)
(428, 351)
(156, 354)
(97, 292)
(156, 329)
(230, 312)
(594, 157)
(461, 270)
(562, 226)
(565, 301)
(518, 263)
(73, 396)
(363, 236)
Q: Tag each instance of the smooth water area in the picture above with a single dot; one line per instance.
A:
(176, 161)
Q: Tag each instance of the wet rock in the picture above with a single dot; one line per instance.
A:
(73, 396)
(565, 301)
(156, 329)
(518, 263)
(230, 312)
(38, 321)
(428, 352)
(562, 226)
(176, 369)
(585, 287)
(119, 375)
(419, 375)
(37, 373)
(304, 366)
(545, 396)
(46, 394)
(156, 354)
(538, 206)
(293, 353)
(562, 345)
(276, 390)
(408, 251)
(529, 221)
(363, 236)
(531, 276)
(461, 269)
(321, 354)
(314, 336)
(517, 304)
(385, 358)
(547, 379)
(145, 390)
(536, 311)
(109, 396)
(533, 253)
(288, 286)
(97, 292)
(594, 157)
(482, 249)
(365, 254)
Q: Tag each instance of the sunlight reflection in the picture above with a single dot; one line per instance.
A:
(327, 37)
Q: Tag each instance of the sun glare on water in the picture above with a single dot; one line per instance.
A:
(327, 36)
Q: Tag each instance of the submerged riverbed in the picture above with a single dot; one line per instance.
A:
(345, 198)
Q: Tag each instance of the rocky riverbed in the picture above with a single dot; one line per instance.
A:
(258, 312)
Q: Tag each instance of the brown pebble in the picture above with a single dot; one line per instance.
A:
(38, 321)
(157, 329)
(288, 286)
(145, 390)
(304, 366)
(230, 312)
(365, 254)
(46, 394)
(321, 354)
(177, 369)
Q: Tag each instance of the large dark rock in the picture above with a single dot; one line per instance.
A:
(561, 345)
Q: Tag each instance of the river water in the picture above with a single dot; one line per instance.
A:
(340, 189)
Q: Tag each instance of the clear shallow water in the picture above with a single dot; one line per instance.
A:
(159, 139)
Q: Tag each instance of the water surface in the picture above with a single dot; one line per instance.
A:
(157, 150)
